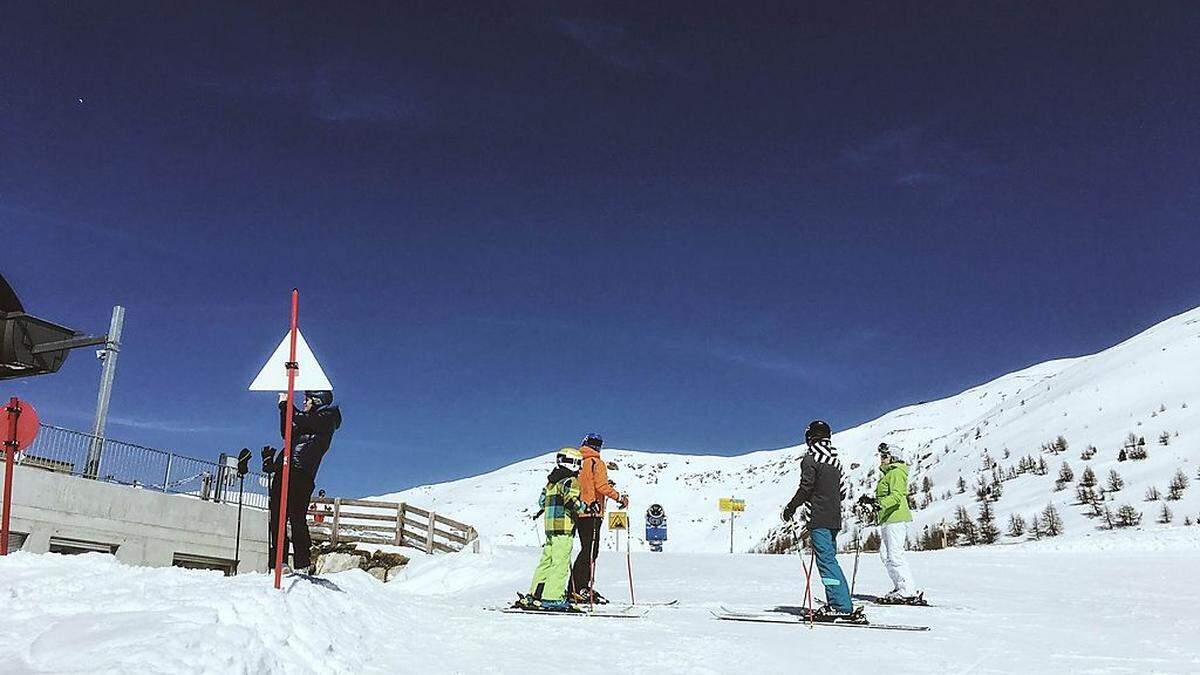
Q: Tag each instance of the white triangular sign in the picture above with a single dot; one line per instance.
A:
(273, 376)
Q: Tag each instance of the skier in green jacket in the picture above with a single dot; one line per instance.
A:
(561, 505)
(892, 516)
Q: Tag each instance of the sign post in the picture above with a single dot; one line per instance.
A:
(617, 521)
(19, 432)
(281, 542)
(732, 507)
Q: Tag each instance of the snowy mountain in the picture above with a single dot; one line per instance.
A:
(1147, 386)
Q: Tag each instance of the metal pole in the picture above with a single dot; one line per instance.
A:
(167, 476)
(237, 545)
(731, 515)
(281, 540)
(10, 451)
(108, 356)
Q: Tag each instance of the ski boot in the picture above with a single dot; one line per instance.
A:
(828, 614)
(588, 596)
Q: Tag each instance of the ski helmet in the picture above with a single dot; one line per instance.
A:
(593, 441)
(570, 459)
(655, 511)
(818, 430)
(320, 398)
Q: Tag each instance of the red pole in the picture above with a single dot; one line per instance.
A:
(10, 450)
(280, 540)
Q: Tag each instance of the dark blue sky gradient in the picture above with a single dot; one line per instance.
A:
(690, 229)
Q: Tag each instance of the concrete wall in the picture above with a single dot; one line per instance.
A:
(148, 527)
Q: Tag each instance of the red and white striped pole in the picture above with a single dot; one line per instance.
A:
(280, 539)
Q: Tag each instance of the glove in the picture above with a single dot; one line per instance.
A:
(283, 397)
(593, 509)
(623, 501)
(268, 459)
(788, 512)
(538, 514)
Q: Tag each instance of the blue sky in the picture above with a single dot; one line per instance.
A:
(689, 229)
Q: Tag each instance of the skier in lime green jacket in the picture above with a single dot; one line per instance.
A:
(893, 517)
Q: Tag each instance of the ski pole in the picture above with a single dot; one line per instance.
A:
(629, 568)
(854, 576)
(808, 596)
(592, 554)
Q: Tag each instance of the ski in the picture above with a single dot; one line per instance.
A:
(764, 617)
(598, 614)
(667, 603)
(314, 580)
(914, 601)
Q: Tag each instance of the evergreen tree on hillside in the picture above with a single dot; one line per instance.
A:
(1115, 482)
(1178, 484)
(988, 532)
(964, 527)
(927, 485)
(1060, 445)
(1152, 494)
(1052, 524)
(1042, 467)
(1016, 525)
(1088, 477)
(1035, 526)
(962, 485)
(1165, 515)
(1065, 474)
(1127, 516)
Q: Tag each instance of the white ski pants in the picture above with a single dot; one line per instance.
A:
(891, 549)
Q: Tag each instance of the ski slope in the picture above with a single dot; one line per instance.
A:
(1042, 608)
(1147, 385)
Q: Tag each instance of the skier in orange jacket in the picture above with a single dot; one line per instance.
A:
(594, 490)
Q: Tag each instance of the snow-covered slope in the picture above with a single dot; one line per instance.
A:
(1148, 385)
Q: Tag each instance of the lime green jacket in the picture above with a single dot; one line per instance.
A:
(891, 495)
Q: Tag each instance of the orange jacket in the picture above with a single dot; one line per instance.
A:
(593, 481)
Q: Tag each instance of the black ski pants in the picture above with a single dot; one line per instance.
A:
(300, 489)
(589, 549)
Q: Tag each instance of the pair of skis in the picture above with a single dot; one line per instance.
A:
(599, 611)
(800, 616)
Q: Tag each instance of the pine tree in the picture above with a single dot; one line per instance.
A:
(1052, 523)
(988, 532)
(1178, 484)
(964, 526)
(1065, 474)
(927, 485)
(1165, 515)
(1152, 494)
(1164, 438)
(1035, 526)
(871, 543)
(962, 485)
(1088, 477)
(1060, 445)
(1016, 525)
(1042, 468)
(1127, 516)
(1115, 482)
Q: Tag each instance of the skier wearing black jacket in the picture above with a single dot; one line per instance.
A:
(312, 432)
(823, 488)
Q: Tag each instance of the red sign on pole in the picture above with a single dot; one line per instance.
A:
(20, 428)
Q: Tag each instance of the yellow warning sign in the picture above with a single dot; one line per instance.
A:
(618, 520)
(728, 504)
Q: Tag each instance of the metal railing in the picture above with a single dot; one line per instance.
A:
(67, 451)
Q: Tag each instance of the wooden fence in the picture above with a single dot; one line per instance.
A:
(338, 520)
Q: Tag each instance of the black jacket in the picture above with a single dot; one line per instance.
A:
(821, 487)
(312, 433)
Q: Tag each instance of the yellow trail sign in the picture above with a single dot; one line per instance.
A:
(618, 520)
(728, 504)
